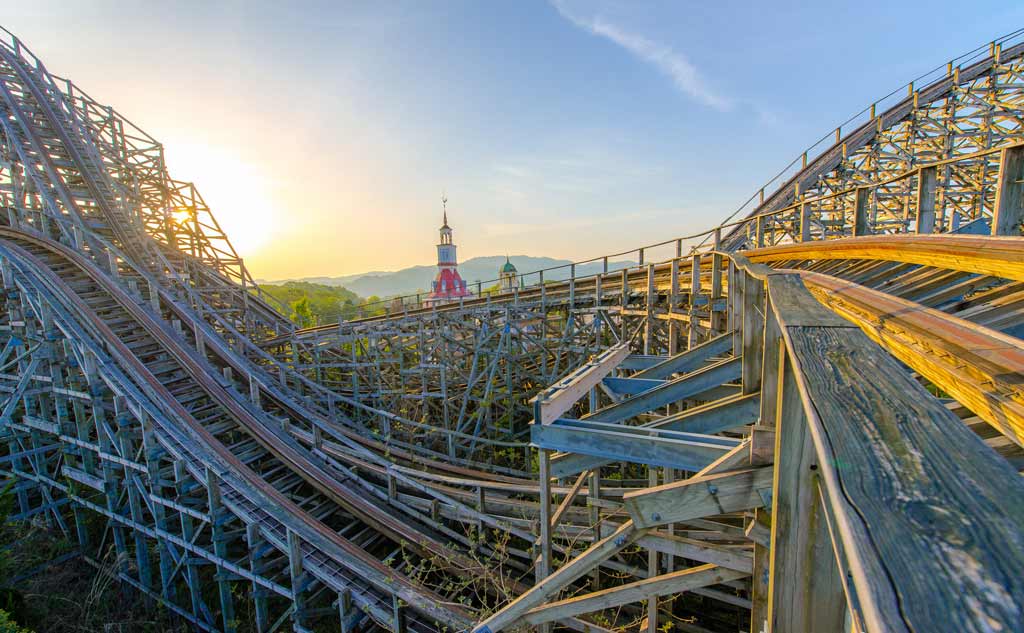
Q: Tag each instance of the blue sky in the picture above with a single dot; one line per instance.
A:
(322, 134)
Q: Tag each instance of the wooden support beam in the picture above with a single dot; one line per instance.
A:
(1009, 206)
(927, 181)
(699, 497)
(728, 413)
(805, 590)
(690, 360)
(651, 298)
(860, 212)
(674, 583)
(673, 305)
(805, 222)
(616, 442)
(543, 569)
(716, 305)
(687, 386)
(599, 552)
(703, 551)
(753, 333)
(554, 401)
(693, 332)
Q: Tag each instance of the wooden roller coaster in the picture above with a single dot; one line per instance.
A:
(807, 419)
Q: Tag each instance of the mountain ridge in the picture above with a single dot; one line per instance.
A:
(415, 279)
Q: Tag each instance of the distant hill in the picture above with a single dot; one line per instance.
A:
(323, 303)
(417, 278)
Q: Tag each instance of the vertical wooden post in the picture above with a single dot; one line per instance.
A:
(652, 561)
(736, 285)
(594, 494)
(860, 212)
(805, 590)
(759, 235)
(926, 185)
(218, 516)
(625, 303)
(345, 611)
(805, 222)
(770, 368)
(154, 298)
(572, 286)
(1009, 209)
(717, 316)
(543, 292)
(651, 298)
(693, 331)
(753, 333)
(673, 303)
(259, 595)
(544, 479)
(397, 615)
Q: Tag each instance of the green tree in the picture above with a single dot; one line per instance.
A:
(11, 600)
(302, 313)
(7, 625)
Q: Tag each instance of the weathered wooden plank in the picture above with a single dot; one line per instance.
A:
(996, 256)
(626, 534)
(671, 449)
(926, 188)
(699, 497)
(805, 591)
(690, 360)
(983, 369)
(553, 402)
(895, 463)
(688, 386)
(1009, 206)
(727, 413)
(676, 582)
(730, 558)
(793, 305)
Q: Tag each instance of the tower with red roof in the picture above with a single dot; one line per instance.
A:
(448, 285)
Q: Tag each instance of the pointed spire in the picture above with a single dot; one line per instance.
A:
(444, 205)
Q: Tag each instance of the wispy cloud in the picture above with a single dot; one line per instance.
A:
(684, 75)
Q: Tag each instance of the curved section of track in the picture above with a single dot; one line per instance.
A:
(179, 382)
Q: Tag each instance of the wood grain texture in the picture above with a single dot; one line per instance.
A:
(997, 256)
(934, 516)
(982, 368)
(676, 582)
(805, 592)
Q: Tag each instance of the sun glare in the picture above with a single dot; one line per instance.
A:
(238, 193)
(181, 216)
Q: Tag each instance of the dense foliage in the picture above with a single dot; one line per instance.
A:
(318, 304)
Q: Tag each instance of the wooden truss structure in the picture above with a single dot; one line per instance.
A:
(813, 422)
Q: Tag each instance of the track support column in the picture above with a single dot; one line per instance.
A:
(1009, 209)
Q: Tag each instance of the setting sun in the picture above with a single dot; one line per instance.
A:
(240, 194)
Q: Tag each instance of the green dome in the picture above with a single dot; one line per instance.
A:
(508, 267)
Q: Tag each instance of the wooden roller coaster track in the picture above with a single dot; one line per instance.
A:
(808, 419)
